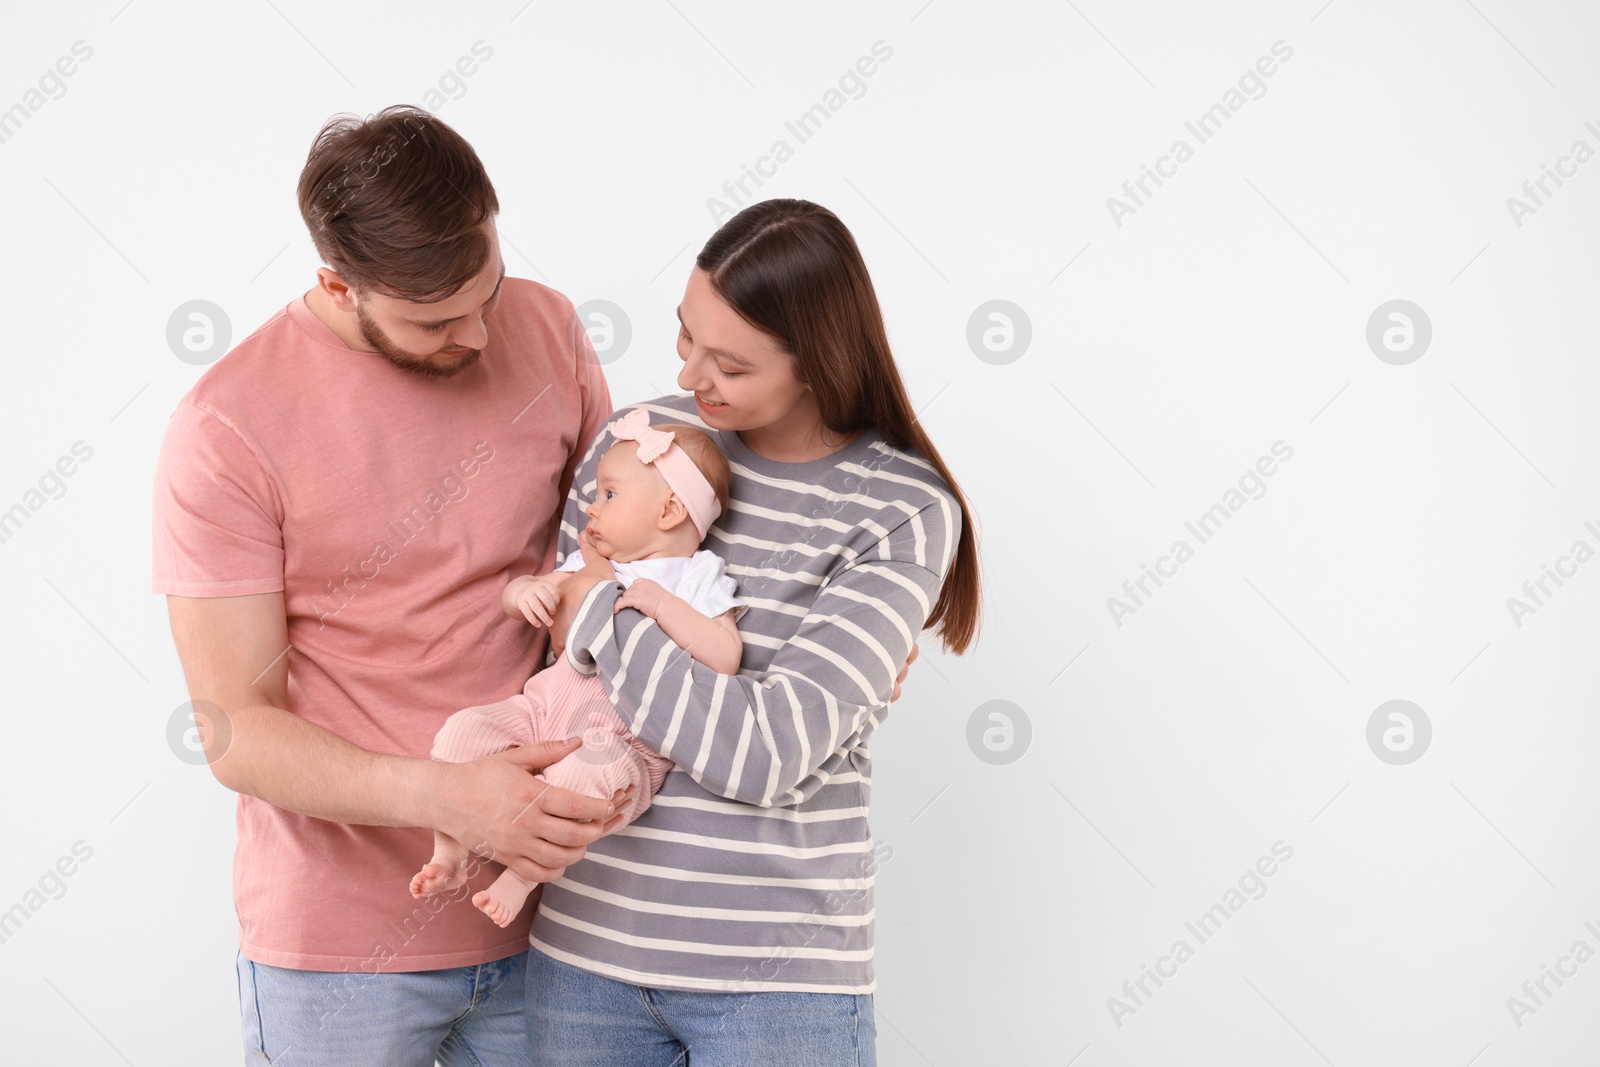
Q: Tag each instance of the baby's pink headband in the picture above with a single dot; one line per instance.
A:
(681, 475)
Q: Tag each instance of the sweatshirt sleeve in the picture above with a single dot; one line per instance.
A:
(761, 738)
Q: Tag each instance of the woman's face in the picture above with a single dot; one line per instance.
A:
(742, 379)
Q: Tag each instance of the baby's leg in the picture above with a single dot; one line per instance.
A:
(444, 872)
(473, 733)
(567, 703)
(606, 764)
(504, 898)
(655, 768)
(468, 735)
(611, 758)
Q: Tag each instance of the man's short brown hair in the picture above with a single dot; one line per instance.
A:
(396, 204)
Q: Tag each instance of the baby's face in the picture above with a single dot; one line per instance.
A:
(628, 500)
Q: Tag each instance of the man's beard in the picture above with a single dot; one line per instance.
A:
(405, 360)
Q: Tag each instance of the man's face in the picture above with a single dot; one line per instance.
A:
(440, 339)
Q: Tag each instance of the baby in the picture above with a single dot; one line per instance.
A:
(657, 492)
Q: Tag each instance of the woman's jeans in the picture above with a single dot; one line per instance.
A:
(579, 1019)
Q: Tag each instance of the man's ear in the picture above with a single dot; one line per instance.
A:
(338, 290)
(672, 513)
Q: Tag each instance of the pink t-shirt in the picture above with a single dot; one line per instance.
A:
(390, 509)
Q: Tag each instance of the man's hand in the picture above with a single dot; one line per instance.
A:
(895, 695)
(232, 651)
(497, 808)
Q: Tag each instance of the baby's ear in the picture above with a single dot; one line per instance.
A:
(672, 513)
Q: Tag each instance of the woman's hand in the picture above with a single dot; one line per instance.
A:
(643, 595)
(895, 695)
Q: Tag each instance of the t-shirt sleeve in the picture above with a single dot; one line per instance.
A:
(596, 397)
(573, 562)
(217, 519)
(708, 588)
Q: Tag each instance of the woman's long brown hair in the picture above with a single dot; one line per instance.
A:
(791, 269)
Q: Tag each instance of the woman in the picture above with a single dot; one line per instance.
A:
(732, 924)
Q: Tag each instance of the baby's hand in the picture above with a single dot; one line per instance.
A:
(537, 599)
(643, 595)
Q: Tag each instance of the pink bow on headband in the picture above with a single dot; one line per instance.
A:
(657, 448)
(635, 426)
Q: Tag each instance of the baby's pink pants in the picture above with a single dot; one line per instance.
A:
(557, 703)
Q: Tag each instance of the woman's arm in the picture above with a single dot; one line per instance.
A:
(772, 739)
(780, 734)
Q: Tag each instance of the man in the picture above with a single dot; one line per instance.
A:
(338, 503)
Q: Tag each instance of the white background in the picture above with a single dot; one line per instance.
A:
(1167, 354)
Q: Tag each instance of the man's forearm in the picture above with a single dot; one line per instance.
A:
(275, 755)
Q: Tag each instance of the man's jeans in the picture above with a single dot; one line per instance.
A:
(470, 1016)
(580, 1019)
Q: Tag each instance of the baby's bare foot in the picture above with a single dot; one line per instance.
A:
(494, 907)
(437, 878)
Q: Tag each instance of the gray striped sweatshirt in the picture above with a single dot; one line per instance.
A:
(753, 870)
